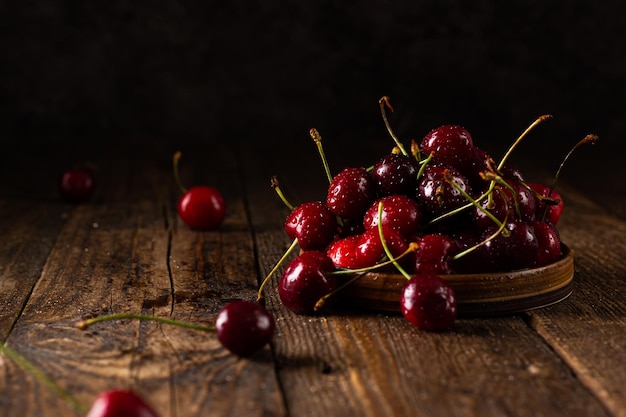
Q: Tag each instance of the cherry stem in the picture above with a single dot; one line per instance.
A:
(175, 160)
(472, 201)
(293, 245)
(384, 243)
(384, 102)
(591, 139)
(359, 273)
(317, 138)
(537, 121)
(423, 166)
(479, 244)
(275, 185)
(84, 324)
(415, 150)
(30, 368)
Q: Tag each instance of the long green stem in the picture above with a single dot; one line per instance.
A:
(317, 138)
(293, 245)
(540, 119)
(84, 324)
(384, 243)
(384, 101)
(29, 367)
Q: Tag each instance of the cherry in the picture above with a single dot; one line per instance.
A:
(435, 192)
(312, 224)
(120, 403)
(435, 254)
(369, 248)
(395, 173)
(480, 161)
(244, 327)
(428, 302)
(350, 193)
(450, 145)
(342, 252)
(305, 280)
(76, 184)
(548, 241)
(399, 212)
(550, 205)
(201, 207)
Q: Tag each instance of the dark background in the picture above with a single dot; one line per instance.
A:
(249, 71)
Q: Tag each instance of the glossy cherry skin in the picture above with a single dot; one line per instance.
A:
(548, 212)
(437, 194)
(434, 254)
(350, 193)
(428, 302)
(549, 243)
(395, 174)
(305, 280)
(76, 185)
(450, 145)
(120, 403)
(312, 224)
(244, 327)
(202, 208)
(399, 212)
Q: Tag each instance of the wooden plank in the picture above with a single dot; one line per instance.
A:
(345, 363)
(128, 252)
(588, 330)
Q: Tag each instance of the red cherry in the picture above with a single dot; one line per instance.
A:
(312, 224)
(370, 250)
(76, 184)
(450, 145)
(428, 302)
(120, 403)
(549, 243)
(552, 211)
(434, 254)
(399, 212)
(202, 208)
(343, 252)
(244, 327)
(305, 280)
(350, 193)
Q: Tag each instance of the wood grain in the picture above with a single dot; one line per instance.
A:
(127, 251)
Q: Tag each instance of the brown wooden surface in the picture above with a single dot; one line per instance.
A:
(126, 251)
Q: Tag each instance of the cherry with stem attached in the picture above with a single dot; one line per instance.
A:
(427, 301)
(200, 207)
(243, 327)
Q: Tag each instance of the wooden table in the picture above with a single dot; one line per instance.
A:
(127, 251)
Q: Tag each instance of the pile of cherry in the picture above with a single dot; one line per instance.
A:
(443, 207)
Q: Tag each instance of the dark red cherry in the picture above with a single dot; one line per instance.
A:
(120, 403)
(202, 208)
(350, 193)
(435, 192)
(76, 185)
(429, 302)
(548, 210)
(548, 241)
(480, 162)
(312, 224)
(305, 280)
(395, 174)
(523, 244)
(434, 254)
(450, 145)
(244, 327)
(399, 212)
(526, 200)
